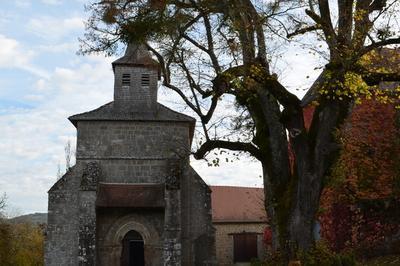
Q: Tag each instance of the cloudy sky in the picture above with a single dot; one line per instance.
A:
(43, 81)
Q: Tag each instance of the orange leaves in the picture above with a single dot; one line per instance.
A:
(365, 172)
(370, 154)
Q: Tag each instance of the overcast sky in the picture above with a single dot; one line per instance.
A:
(43, 81)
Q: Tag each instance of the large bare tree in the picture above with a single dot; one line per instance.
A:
(213, 52)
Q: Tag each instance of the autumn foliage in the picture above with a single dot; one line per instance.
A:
(360, 204)
(21, 244)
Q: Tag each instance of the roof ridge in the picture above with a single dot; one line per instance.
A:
(107, 112)
(223, 186)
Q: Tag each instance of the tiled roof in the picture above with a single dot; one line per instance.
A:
(237, 204)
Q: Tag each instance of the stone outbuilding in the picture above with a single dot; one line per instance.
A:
(240, 221)
(132, 198)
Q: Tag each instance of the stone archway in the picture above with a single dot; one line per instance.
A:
(113, 244)
(132, 249)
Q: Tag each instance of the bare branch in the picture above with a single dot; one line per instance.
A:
(229, 145)
(345, 21)
(210, 41)
(375, 78)
(375, 45)
(326, 25)
(303, 30)
(362, 23)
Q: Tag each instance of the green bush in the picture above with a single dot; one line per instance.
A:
(322, 255)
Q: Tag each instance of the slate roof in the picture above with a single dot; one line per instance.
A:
(237, 204)
(312, 93)
(108, 112)
(136, 55)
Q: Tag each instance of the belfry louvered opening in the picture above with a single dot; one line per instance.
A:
(145, 80)
(126, 79)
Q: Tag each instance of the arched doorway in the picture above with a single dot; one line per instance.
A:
(132, 249)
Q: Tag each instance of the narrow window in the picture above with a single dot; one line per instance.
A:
(126, 79)
(145, 80)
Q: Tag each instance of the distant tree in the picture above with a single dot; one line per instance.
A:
(27, 245)
(59, 173)
(3, 203)
(68, 155)
(216, 55)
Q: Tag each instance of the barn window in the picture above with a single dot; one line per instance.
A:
(126, 79)
(145, 80)
(244, 247)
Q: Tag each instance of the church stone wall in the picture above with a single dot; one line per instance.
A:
(133, 171)
(138, 150)
(110, 222)
(119, 139)
(61, 245)
(132, 152)
(135, 96)
(198, 232)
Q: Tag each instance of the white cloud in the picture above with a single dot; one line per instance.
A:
(70, 47)
(32, 143)
(245, 172)
(53, 28)
(13, 55)
(11, 52)
(23, 3)
(51, 2)
(41, 85)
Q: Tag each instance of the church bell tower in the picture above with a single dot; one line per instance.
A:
(136, 75)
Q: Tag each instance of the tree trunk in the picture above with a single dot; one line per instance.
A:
(292, 206)
(292, 214)
(303, 213)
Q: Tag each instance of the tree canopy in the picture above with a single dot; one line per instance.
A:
(219, 57)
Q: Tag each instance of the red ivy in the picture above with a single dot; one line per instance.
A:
(367, 171)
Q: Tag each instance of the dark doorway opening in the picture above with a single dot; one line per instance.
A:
(132, 249)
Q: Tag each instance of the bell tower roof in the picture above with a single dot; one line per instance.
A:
(136, 55)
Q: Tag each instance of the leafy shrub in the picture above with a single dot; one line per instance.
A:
(317, 256)
(21, 244)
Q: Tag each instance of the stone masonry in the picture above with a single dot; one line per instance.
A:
(132, 173)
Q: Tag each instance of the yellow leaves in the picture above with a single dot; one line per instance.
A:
(353, 87)
(256, 71)
(314, 103)
(355, 84)
(360, 14)
(21, 244)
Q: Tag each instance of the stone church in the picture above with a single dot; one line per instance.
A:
(132, 198)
